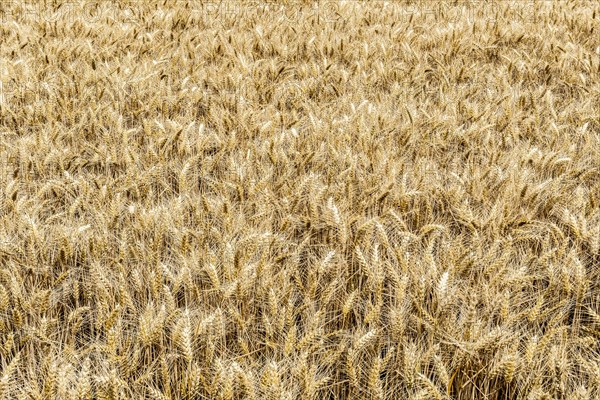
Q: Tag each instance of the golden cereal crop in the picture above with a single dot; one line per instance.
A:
(300, 200)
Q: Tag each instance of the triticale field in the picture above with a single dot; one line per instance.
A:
(299, 200)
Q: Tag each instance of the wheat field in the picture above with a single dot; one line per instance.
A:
(299, 200)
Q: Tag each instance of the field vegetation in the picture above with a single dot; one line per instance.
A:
(300, 200)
